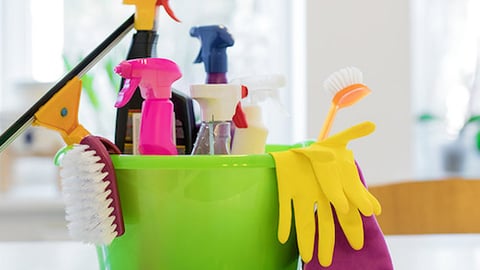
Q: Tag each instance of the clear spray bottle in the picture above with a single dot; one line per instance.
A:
(217, 103)
(252, 139)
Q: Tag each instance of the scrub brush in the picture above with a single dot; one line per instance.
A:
(88, 187)
(92, 203)
(92, 217)
(347, 88)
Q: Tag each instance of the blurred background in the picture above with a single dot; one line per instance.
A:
(420, 58)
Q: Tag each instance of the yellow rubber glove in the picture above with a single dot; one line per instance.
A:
(323, 175)
(340, 181)
(297, 184)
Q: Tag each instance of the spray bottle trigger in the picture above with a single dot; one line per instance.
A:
(199, 58)
(240, 118)
(244, 91)
(127, 91)
(168, 9)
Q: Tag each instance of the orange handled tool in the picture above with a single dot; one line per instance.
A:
(347, 87)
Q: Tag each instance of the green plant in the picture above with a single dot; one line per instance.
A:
(113, 78)
(87, 79)
(427, 117)
(87, 85)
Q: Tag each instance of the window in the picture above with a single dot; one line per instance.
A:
(446, 74)
(51, 30)
(46, 39)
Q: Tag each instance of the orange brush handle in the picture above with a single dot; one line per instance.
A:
(327, 125)
(344, 98)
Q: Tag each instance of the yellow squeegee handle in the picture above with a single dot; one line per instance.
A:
(145, 12)
(60, 113)
(24, 121)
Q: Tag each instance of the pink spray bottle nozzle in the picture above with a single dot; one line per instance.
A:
(154, 76)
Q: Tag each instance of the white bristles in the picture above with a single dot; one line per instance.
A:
(85, 194)
(343, 78)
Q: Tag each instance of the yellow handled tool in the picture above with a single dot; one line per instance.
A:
(28, 118)
(60, 113)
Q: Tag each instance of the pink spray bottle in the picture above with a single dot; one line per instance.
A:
(154, 77)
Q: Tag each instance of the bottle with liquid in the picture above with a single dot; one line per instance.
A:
(219, 101)
(144, 45)
(154, 77)
(213, 139)
(252, 138)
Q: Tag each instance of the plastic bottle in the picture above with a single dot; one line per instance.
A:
(214, 39)
(252, 139)
(154, 77)
(214, 139)
(144, 45)
(217, 103)
(218, 100)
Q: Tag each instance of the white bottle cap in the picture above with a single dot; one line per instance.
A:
(217, 101)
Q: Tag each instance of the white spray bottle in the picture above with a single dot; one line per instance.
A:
(219, 100)
(217, 103)
(252, 139)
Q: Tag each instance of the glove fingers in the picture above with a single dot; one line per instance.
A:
(326, 232)
(356, 191)
(329, 179)
(377, 207)
(354, 132)
(284, 197)
(321, 162)
(352, 227)
(284, 220)
(292, 168)
(305, 227)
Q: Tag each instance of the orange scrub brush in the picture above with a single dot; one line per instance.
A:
(347, 88)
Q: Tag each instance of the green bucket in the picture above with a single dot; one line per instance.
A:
(198, 212)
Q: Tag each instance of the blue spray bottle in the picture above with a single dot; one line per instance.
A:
(214, 39)
(219, 101)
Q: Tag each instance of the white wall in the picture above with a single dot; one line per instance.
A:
(15, 56)
(373, 35)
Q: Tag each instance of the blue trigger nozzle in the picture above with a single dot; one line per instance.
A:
(214, 39)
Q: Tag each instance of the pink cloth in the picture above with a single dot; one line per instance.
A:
(373, 256)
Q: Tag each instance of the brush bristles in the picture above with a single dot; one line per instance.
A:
(87, 206)
(342, 79)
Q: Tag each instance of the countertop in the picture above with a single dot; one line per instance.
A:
(33, 236)
(439, 252)
(51, 255)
